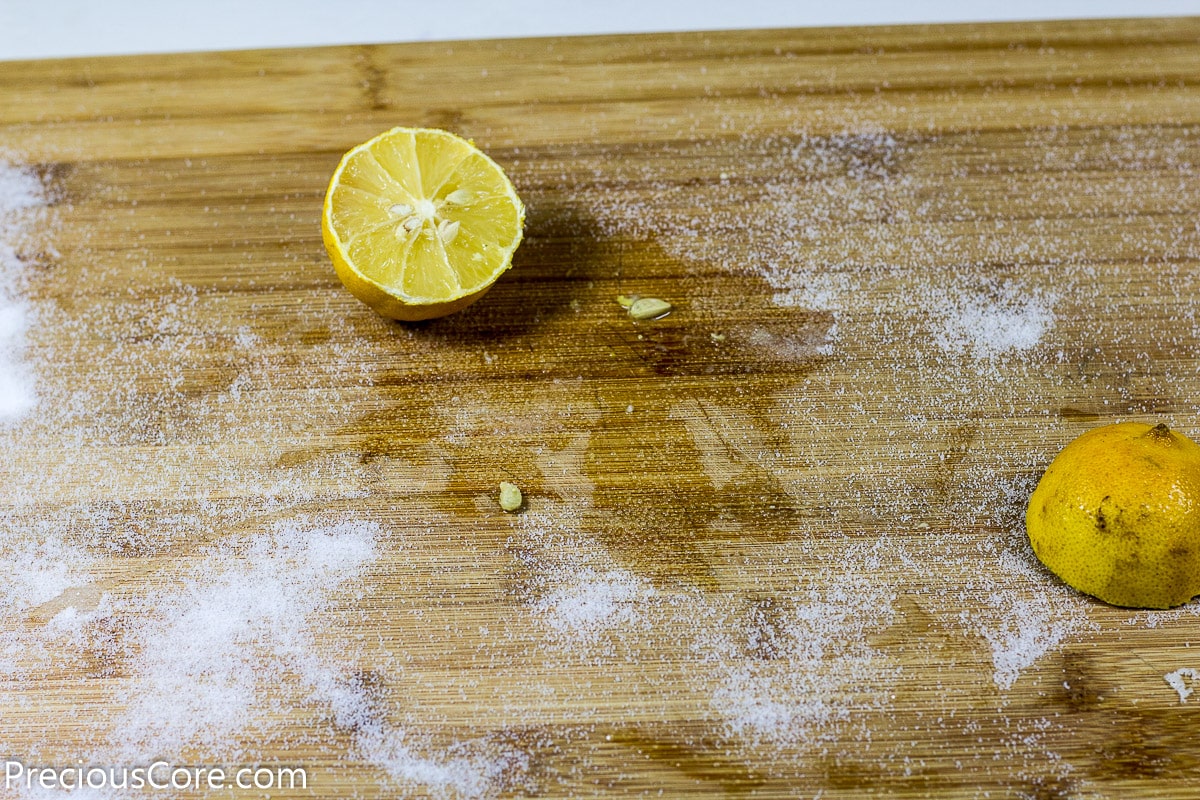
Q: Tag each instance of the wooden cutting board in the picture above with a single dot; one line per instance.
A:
(772, 544)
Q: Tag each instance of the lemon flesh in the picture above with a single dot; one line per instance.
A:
(1117, 515)
(419, 223)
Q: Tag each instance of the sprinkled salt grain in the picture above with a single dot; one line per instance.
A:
(208, 649)
(578, 592)
(475, 767)
(16, 385)
(991, 320)
(21, 196)
(472, 769)
(1026, 629)
(594, 601)
(800, 668)
(20, 189)
(1022, 615)
(48, 568)
(36, 792)
(1178, 681)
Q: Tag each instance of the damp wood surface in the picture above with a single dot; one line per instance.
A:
(771, 545)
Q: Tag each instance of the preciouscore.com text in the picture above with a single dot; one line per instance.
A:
(159, 775)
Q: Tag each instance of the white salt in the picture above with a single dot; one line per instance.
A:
(48, 568)
(21, 196)
(1178, 681)
(1024, 611)
(241, 633)
(16, 384)
(988, 320)
(1026, 629)
(36, 792)
(805, 669)
(20, 188)
(594, 601)
(473, 769)
(211, 648)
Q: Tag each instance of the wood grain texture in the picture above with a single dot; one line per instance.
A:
(908, 265)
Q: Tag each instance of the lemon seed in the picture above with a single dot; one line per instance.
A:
(510, 496)
(645, 308)
(448, 230)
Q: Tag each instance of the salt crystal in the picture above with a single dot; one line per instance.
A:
(806, 667)
(48, 568)
(474, 773)
(1177, 681)
(592, 602)
(20, 188)
(21, 195)
(989, 320)
(36, 792)
(210, 647)
(1028, 629)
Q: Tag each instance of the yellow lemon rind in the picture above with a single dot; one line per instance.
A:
(1095, 528)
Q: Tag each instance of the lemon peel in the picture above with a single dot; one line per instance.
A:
(1117, 515)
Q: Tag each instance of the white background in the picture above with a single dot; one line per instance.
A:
(59, 28)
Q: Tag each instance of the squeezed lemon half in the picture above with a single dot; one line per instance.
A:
(420, 223)
(1117, 515)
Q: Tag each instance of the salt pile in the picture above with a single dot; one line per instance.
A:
(22, 196)
(235, 631)
(578, 593)
(476, 768)
(592, 601)
(989, 321)
(206, 651)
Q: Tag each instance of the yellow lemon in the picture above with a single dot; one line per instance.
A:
(1117, 515)
(420, 223)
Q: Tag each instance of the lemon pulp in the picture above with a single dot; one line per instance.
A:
(419, 222)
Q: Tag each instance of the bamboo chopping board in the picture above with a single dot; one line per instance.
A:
(772, 544)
